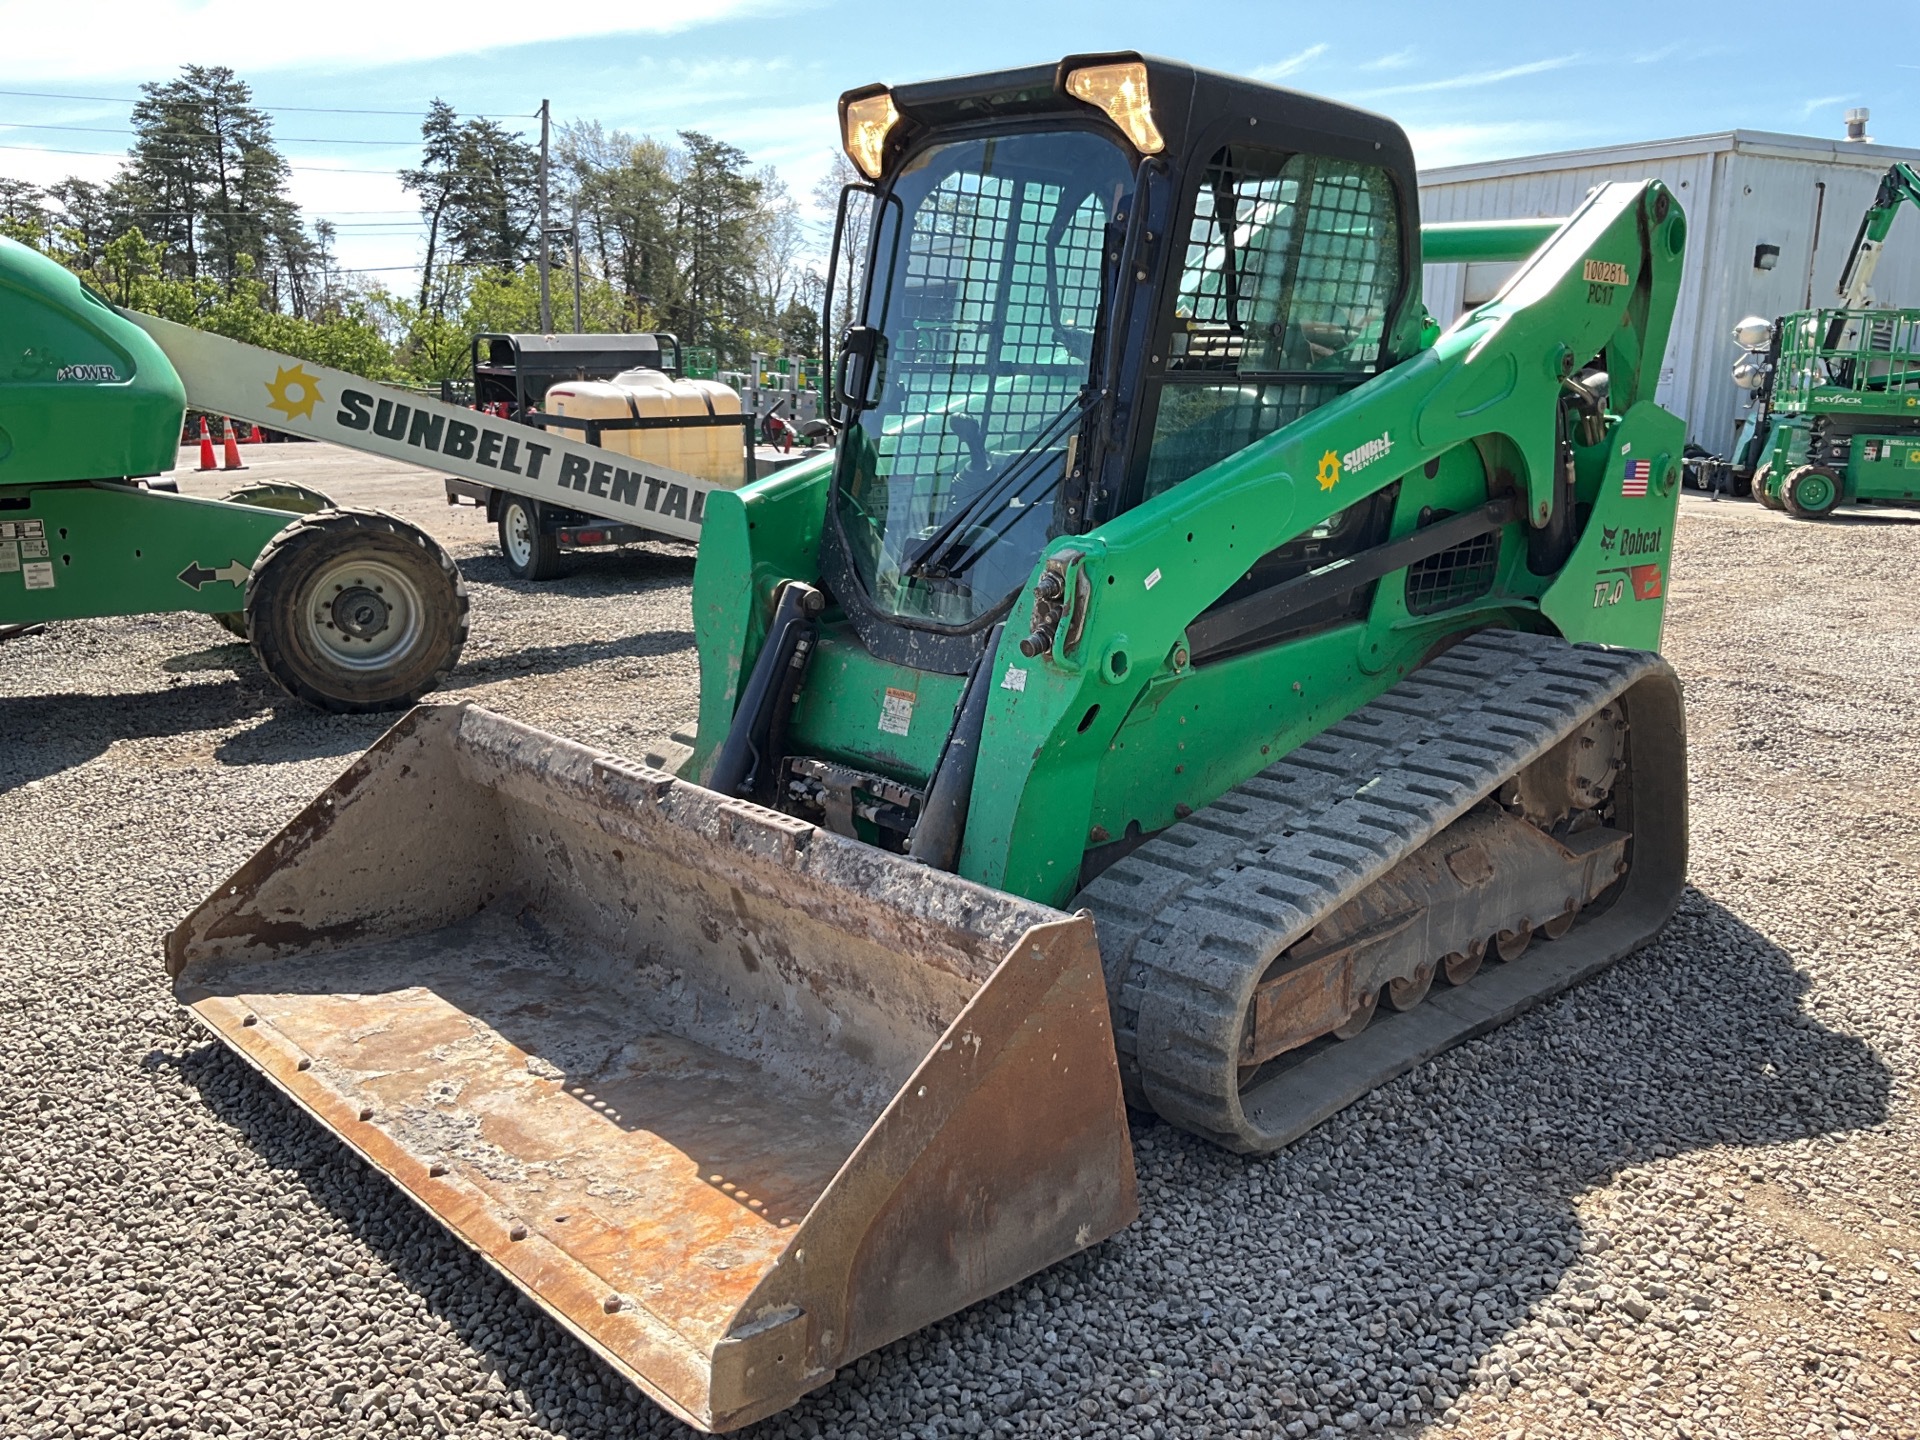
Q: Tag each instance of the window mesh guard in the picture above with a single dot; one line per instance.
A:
(1455, 576)
(1000, 299)
(1292, 262)
(1291, 265)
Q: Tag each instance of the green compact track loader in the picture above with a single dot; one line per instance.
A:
(1196, 681)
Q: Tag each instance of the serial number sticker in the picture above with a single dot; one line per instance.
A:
(9, 557)
(896, 711)
(1015, 679)
(39, 575)
(1154, 578)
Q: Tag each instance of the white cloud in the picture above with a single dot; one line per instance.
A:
(20, 160)
(1298, 61)
(1810, 107)
(139, 38)
(1437, 145)
(1398, 60)
(1475, 79)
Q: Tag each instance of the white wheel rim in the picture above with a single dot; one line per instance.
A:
(519, 529)
(362, 614)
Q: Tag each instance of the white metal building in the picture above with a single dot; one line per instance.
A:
(1742, 190)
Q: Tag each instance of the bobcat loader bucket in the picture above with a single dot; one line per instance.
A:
(733, 1099)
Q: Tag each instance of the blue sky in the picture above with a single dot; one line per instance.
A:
(1469, 81)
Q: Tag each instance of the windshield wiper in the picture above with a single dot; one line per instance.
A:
(913, 566)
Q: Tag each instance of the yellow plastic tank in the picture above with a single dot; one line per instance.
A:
(713, 453)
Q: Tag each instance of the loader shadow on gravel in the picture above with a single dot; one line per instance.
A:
(1362, 1273)
(48, 734)
(493, 666)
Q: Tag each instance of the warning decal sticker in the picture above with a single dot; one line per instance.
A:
(896, 711)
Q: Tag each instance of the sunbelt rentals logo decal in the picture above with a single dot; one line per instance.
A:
(1333, 464)
(294, 392)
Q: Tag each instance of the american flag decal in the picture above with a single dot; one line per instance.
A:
(1639, 472)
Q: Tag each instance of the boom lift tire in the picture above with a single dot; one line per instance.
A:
(1811, 492)
(1763, 489)
(354, 611)
(531, 552)
(270, 495)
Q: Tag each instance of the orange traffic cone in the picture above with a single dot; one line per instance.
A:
(256, 438)
(206, 445)
(231, 450)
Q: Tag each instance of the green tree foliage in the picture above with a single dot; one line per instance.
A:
(203, 155)
(691, 239)
(22, 216)
(132, 271)
(478, 189)
(622, 189)
(200, 227)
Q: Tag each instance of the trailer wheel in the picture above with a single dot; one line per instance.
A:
(354, 611)
(1811, 492)
(532, 553)
(269, 495)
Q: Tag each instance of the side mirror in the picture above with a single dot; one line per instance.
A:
(860, 370)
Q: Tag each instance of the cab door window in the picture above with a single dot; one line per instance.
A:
(1292, 266)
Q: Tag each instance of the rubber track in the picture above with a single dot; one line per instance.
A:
(1189, 921)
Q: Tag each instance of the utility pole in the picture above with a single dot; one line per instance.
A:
(576, 263)
(546, 256)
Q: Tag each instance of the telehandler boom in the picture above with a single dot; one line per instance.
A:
(1190, 673)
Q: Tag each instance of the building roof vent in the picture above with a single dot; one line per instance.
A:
(1857, 126)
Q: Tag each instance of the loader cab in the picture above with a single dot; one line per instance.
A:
(1081, 285)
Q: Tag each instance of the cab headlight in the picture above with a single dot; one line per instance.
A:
(864, 126)
(1121, 91)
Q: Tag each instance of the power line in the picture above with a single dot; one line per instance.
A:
(288, 109)
(311, 214)
(197, 134)
(113, 155)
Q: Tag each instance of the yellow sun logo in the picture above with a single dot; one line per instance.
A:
(294, 393)
(1329, 470)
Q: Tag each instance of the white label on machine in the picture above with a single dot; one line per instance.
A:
(34, 547)
(39, 575)
(1153, 579)
(9, 557)
(896, 711)
(1016, 679)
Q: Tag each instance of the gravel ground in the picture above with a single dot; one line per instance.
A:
(1681, 1201)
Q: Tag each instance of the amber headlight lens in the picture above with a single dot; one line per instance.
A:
(1121, 91)
(866, 125)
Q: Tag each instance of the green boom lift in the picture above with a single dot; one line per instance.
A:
(347, 609)
(1193, 681)
(1836, 417)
